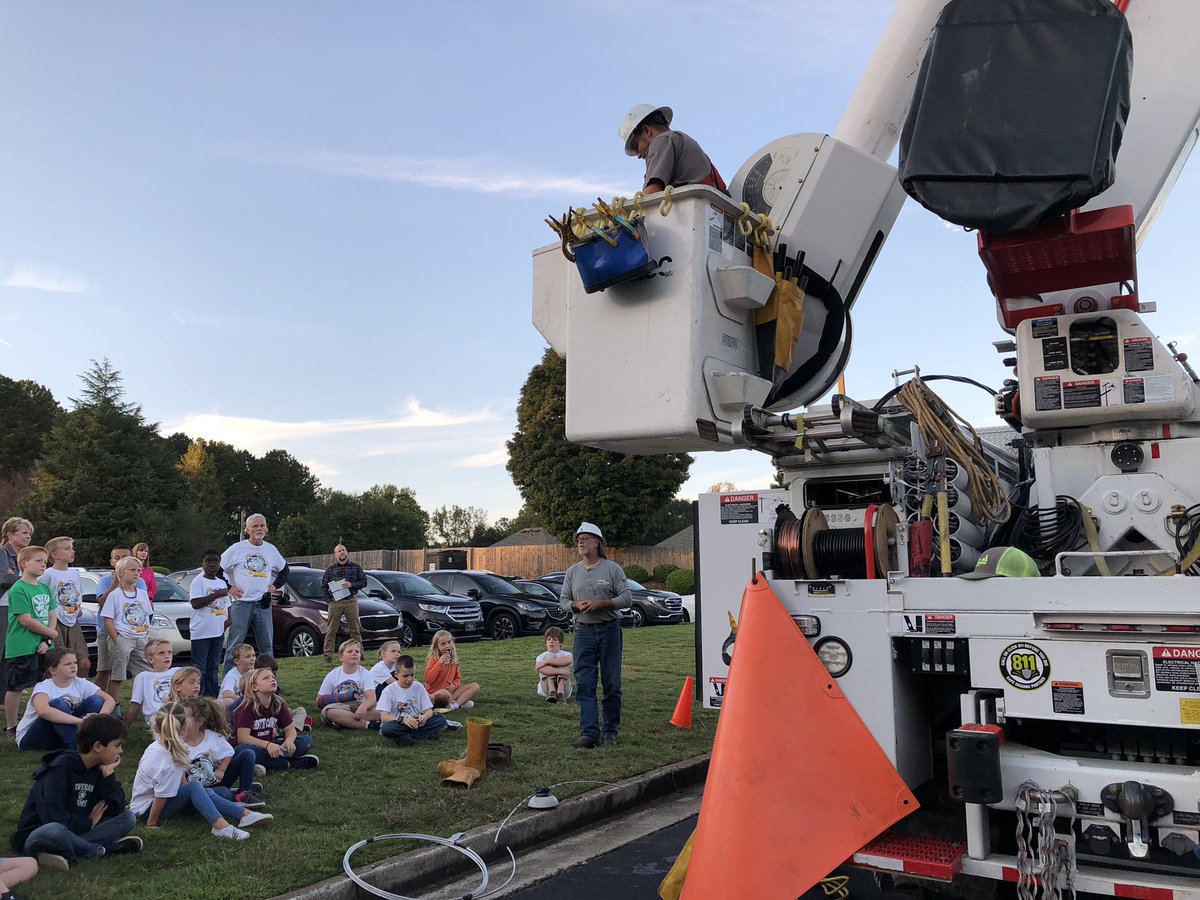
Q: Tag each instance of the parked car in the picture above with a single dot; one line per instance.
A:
(426, 609)
(508, 611)
(689, 607)
(172, 611)
(554, 587)
(300, 615)
(650, 606)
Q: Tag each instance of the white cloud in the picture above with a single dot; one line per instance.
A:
(477, 175)
(497, 457)
(322, 470)
(40, 278)
(6, 343)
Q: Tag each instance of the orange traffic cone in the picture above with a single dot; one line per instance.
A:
(796, 783)
(683, 708)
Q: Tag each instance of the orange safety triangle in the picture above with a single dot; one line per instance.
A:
(796, 783)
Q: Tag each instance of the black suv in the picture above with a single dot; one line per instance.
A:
(507, 610)
(426, 609)
(650, 606)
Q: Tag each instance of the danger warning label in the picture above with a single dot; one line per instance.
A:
(1067, 697)
(739, 509)
(1177, 669)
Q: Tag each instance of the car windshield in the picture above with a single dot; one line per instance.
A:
(307, 583)
(405, 583)
(494, 584)
(633, 585)
(168, 591)
(538, 590)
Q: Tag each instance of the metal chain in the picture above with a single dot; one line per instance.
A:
(1025, 880)
(1047, 845)
(1047, 872)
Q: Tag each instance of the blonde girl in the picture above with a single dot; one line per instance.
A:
(185, 683)
(161, 789)
(384, 671)
(263, 722)
(214, 763)
(443, 680)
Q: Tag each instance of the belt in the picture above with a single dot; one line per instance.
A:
(595, 624)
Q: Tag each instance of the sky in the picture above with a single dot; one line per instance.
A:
(309, 225)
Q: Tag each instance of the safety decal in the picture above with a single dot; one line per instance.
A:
(1067, 697)
(1025, 666)
(1189, 711)
(718, 692)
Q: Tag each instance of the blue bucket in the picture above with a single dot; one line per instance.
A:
(601, 265)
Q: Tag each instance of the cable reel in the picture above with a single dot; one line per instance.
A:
(807, 548)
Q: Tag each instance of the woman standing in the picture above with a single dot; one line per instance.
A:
(142, 552)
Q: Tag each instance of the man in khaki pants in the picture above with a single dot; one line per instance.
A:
(339, 578)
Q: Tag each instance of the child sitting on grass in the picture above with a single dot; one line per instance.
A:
(406, 709)
(150, 689)
(213, 761)
(554, 668)
(59, 705)
(76, 807)
(346, 697)
(32, 628)
(443, 680)
(300, 715)
(263, 722)
(384, 672)
(185, 683)
(231, 685)
(161, 789)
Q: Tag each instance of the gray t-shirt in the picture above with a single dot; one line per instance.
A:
(603, 581)
(676, 159)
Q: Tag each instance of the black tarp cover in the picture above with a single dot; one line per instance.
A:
(1018, 111)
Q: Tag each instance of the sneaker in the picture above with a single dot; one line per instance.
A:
(306, 728)
(374, 726)
(229, 832)
(250, 800)
(307, 761)
(584, 743)
(53, 861)
(129, 844)
(250, 819)
(609, 740)
(403, 740)
(553, 698)
(452, 725)
(259, 772)
(256, 787)
(470, 704)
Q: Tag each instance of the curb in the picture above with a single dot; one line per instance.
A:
(526, 828)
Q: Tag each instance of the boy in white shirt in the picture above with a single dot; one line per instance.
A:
(126, 619)
(405, 708)
(150, 689)
(67, 591)
(347, 695)
(210, 601)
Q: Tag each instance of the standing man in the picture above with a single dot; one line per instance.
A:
(594, 589)
(255, 571)
(347, 576)
(672, 158)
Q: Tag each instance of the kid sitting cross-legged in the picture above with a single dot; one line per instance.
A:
(347, 695)
(76, 807)
(150, 689)
(299, 714)
(185, 683)
(263, 721)
(406, 709)
(554, 668)
(161, 789)
(59, 705)
(213, 761)
(384, 671)
(443, 680)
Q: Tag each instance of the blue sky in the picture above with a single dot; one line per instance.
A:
(309, 225)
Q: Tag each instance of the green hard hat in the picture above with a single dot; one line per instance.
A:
(1006, 561)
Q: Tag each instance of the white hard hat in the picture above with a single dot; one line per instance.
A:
(588, 528)
(635, 117)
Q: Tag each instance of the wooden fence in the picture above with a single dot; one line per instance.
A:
(530, 561)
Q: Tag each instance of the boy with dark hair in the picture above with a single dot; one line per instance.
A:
(76, 807)
(406, 709)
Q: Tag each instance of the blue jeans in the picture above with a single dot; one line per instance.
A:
(206, 801)
(54, 837)
(46, 735)
(398, 731)
(597, 649)
(240, 771)
(206, 656)
(241, 614)
(304, 743)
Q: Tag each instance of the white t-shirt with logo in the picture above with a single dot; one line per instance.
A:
(232, 681)
(130, 615)
(74, 693)
(206, 758)
(209, 621)
(252, 568)
(157, 776)
(150, 689)
(381, 673)
(401, 702)
(67, 592)
(340, 680)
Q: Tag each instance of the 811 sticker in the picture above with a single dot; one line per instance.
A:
(1025, 666)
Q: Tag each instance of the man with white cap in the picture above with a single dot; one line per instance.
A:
(595, 589)
(672, 158)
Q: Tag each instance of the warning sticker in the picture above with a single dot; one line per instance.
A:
(1160, 387)
(1182, 817)
(1189, 711)
(720, 232)
(739, 509)
(1042, 328)
(1081, 394)
(1091, 810)
(1134, 390)
(718, 692)
(1139, 354)
(1067, 697)
(1025, 666)
(1177, 669)
(1054, 354)
(939, 623)
(1047, 392)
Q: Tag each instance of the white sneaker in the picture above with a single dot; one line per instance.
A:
(453, 706)
(260, 771)
(251, 818)
(470, 704)
(230, 833)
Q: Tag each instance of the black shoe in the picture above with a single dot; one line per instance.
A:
(608, 740)
(131, 843)
(584, 743)
(250, 800)
(256, 787)
(404, 740)
(373, 726)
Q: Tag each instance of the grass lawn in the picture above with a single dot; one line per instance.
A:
(366, 786)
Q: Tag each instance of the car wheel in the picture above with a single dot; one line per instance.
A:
(686, 617)
(408, 637)
(304, 641)
(638, 617)
(503, 625)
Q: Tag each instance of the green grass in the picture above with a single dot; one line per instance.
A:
(366, 786)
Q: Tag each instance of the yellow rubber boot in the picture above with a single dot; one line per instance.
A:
(467, 771)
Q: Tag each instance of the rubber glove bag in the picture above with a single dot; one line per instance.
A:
(602, 265)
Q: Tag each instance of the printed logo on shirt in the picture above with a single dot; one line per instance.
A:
(348, 686)
(134, 615)
(40, 607)
(256, 565)
(220, 606)
(83, 793)
(408, 708)
(162, 690)
(72, 700)
(202, 769)
(265, 727)
(68, 597)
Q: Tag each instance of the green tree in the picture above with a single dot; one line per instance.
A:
(383, 517)
(564, 483)
(454, 526)
(670, 520)
(28, 412)
(781, 480)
